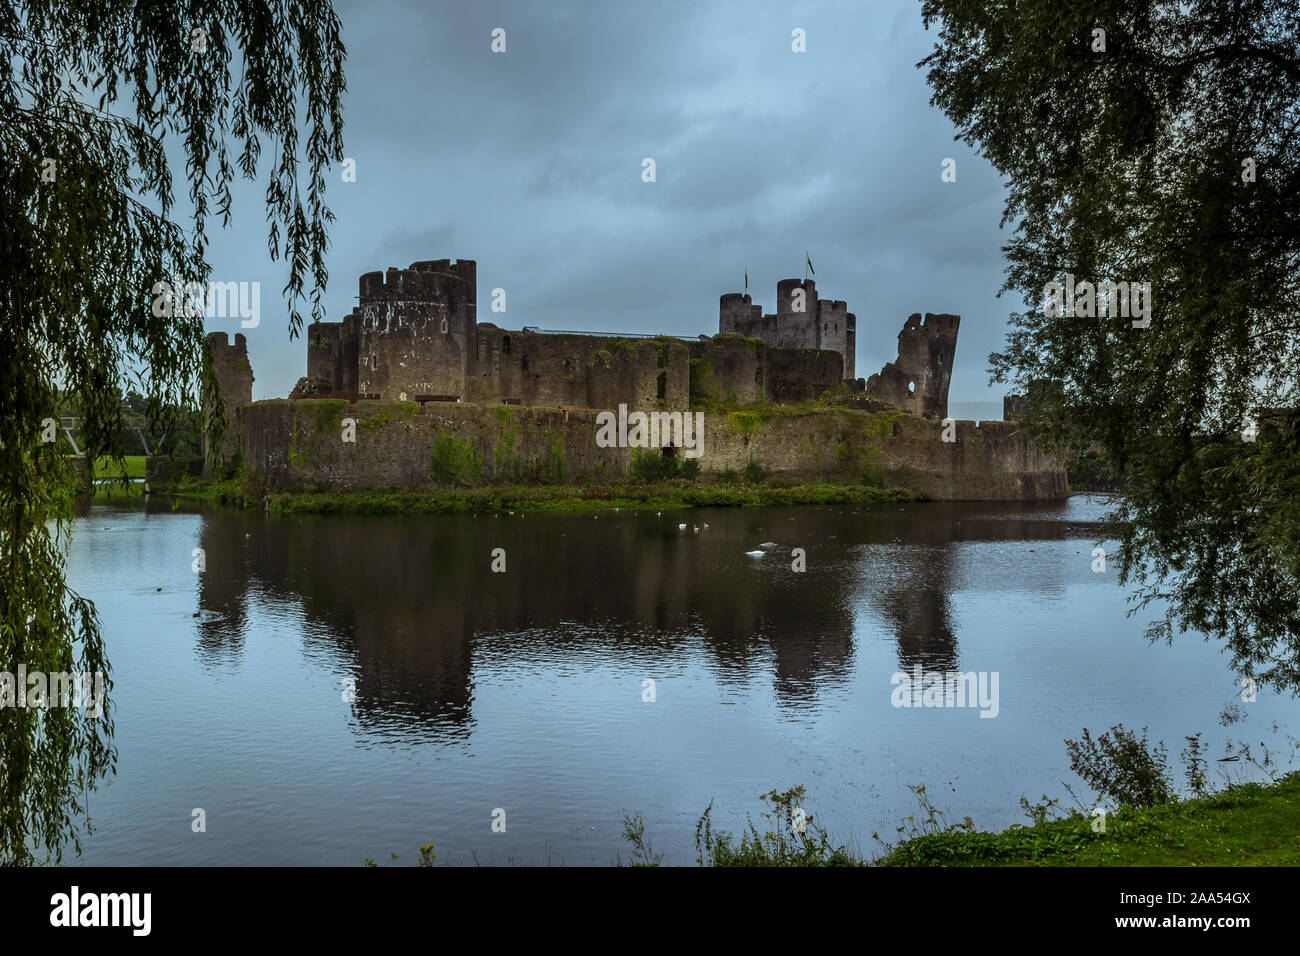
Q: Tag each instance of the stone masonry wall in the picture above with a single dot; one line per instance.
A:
(299, 444)
(584, 371)
(735, 369)
(235, 378)
(917, 381)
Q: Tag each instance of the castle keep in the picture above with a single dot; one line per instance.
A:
(802, 321)
(415, 336)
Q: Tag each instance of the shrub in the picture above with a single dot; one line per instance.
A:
(652, 465)
(778, 845)
(1120, 765)
(452, 462)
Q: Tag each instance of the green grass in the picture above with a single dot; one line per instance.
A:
(1245, 825)
(537, 498)
(132, 467)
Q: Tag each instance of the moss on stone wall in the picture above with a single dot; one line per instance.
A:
(392, 412)
(453, 462)
(745, 423)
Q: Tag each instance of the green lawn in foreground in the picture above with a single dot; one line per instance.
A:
(1247, 825)
(132, 466)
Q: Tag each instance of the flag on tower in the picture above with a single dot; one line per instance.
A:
(810, 268)
(747, 278)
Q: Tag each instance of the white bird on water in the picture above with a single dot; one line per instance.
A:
(754, 554)
(681, 527)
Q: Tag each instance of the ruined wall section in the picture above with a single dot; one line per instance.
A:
(417, 332)
(325, 354)
(644, 374)
(234, 376)
(917, 381)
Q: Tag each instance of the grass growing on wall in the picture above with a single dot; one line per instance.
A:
(628, 495)
(393, 412)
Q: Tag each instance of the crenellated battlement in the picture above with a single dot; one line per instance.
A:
(785, 296)
(219, 344)
(427, 280)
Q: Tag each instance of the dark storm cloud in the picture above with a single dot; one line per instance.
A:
(530, 162)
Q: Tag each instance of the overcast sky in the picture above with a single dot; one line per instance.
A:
(530, 162)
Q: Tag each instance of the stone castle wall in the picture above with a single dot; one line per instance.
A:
(299, 444)
(585, 371)
(733, 369)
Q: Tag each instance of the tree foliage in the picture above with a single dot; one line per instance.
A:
(100, 102)
(1161, 149)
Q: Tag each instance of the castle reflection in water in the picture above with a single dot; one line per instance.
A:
(411, 606)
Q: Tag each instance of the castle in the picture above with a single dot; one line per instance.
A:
(427, 390)
(415, 336)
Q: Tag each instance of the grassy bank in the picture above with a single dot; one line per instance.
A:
(1245, 825)
(533, 498)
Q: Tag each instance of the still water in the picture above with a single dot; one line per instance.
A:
(525, 691)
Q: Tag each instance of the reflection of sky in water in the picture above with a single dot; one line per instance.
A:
(523, 690)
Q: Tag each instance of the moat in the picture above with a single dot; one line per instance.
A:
(526, 689)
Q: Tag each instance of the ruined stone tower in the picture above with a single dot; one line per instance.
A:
(235, 380)
(802, 321)
(917, 381)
